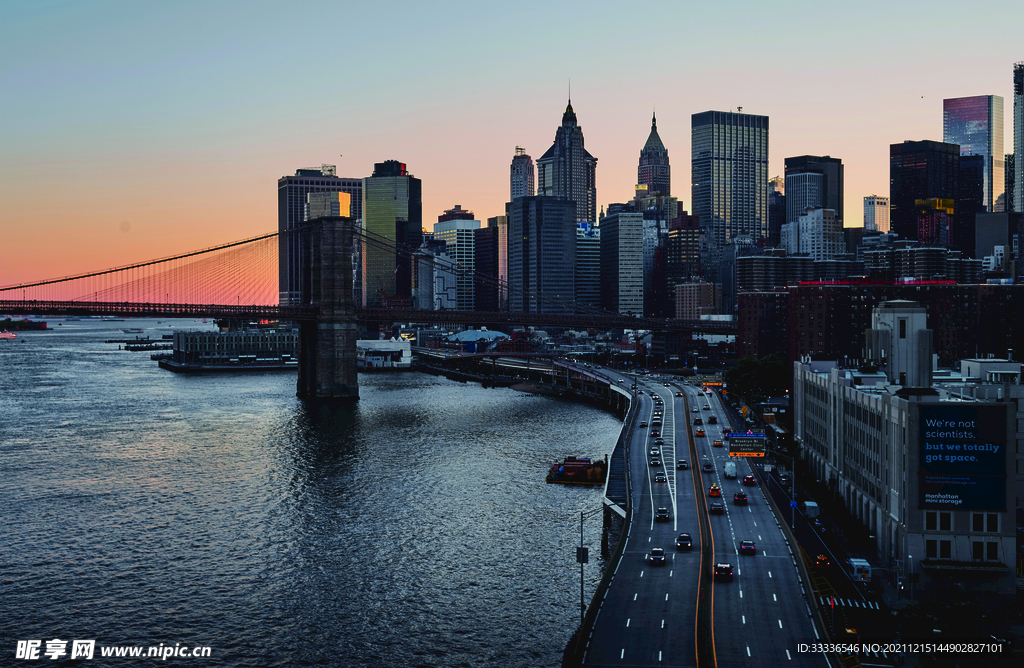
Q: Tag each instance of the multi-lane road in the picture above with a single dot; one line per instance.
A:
(671, 614)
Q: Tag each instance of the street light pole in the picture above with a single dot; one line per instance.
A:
(911, 557)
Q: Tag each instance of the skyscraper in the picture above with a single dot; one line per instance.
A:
(393, 225)
(541, 255)
(976, 125)
(1011, 188)
(457, 227)
(730, 174)
(622, 260)
(920, 170)
(588, 267)
(829, 187)
(776, 209)
(292, 199)
(568, 171)
(654, 170)
(876, 213)
(522, 177)
(1018, 136)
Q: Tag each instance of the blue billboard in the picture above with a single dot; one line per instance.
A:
(962, 456)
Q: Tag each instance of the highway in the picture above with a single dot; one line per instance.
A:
(649, 616)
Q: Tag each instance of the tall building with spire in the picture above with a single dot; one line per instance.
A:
(522, 178)
(654, 171)
(567, 171)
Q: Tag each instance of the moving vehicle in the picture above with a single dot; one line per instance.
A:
(821, 561)
(713, 419)
(695, 410)
(655, 452)
(657, 556)
(747, 547)
(655, 462)
(707, 465)
(811, 509)
(660, 478)
(707, 407)
(655, 432)
(716, 508)
(697, 421)
(682, 464)
(714, 490)
(643, 425)
(723, 572)
(700, 432)
(749, 481)
(718, 443)
(740, 498)
(679, 394)
(730, 470)
(684, 542)
(662, 515)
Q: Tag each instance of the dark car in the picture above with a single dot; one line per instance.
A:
(723, 572)
(740, 498)
(655, 452)
(821, 561)
(783, 480)
(655, 432)
(682, 464)
(698, 421)
(716, 508)
(659, 441)
(749, 481)
(657, 556)
(643, 425)
(713, 420)
(684, 542)
(679, 394)
(655, 462)
(662, 515)
(707, 466)
(660, 478)
(747, 547)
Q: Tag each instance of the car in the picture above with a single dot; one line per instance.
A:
(697, 421)
(667, 385)
(783, 480)
(643, 425)
(655, 462)
(707, 407)
(713, 420)
(714, 490)
(723, 572)
(639, 391)
(662, 515)
(655, 432)
(747, 547)
(695, 410)
(700, 432)
(657, 556)
(655, 452)
(682, 464)
(659, 441)
(749, 480)
(821, 561)
(819, 527)
(716, 508)
(621, 380)
(660, 478)
(707, 466)
(740, 498)
(718, 443)
(684, 542)
(679, 394)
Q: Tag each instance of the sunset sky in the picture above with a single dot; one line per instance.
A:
(136, 130)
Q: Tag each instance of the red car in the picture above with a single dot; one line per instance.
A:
(715, 490)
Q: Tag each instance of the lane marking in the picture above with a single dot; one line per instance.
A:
(670, 573)
(788, 656)
(780, 623)
(627, 623)
(666, 597)
(741, 593)
(774, 597)
(769, 574)
(748, 650)
(634, 597)
(744, 618)
(622, 653)
(659, 657)
(663, 623)
(642, 573)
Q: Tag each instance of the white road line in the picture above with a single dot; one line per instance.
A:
(769, 573)
(634, 596)
(670, 573)
(666, 597)
(764, 552)
(663, 623)
(788, 656)
(774, 597)
(748, 650)
(759, 536)
(744, 618)
(627, 623)
(780, 623)
(622, 653)
(641, 572)
(659, 657)
(741, 593)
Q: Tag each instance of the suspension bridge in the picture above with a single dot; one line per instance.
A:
(239, 281)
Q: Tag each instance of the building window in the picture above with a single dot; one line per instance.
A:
(985, 522)
(992, 551)
(945, 549)
(931, 550)
(945, 521)
(977, 550)
(903, 329)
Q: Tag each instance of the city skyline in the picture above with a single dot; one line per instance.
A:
(140, 132)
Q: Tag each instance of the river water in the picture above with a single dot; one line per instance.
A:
(413, 528)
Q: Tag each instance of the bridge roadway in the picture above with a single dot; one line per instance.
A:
(649, 615)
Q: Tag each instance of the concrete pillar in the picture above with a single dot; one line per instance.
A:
(327, 351)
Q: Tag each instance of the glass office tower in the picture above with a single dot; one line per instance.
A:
(976, 125)
(1018, 136)
(730, 174)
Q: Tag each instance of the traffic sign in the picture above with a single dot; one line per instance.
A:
(792, 504)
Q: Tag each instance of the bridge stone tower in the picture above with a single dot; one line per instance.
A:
(327, 346)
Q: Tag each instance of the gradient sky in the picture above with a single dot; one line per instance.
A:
(136, 130)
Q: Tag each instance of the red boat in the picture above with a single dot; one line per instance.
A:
(579, 471)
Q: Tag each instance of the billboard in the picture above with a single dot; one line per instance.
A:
(962, 456)
(746, 445)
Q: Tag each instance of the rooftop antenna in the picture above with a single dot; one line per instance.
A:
(739, 110)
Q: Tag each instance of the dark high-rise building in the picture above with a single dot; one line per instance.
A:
(975, 124)
(522, 178)
(827, 190)
(1011, 166)
(485, 251)
(501, 223)
(920, 170)
(776, 210)
(622, 260)
(568, 171)
(1018, 136)
(292, 200)
(541, 255)
(392, 219)
(588, 267)
(682, 252)
(654, 171)
(970, 202)
(730, 174)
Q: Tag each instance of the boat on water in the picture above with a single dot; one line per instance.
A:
(132, 330)
(8, 335)
(579, 471)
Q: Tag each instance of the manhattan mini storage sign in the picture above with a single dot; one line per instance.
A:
(963, 457)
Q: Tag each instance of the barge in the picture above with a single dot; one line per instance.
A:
(579, 471)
